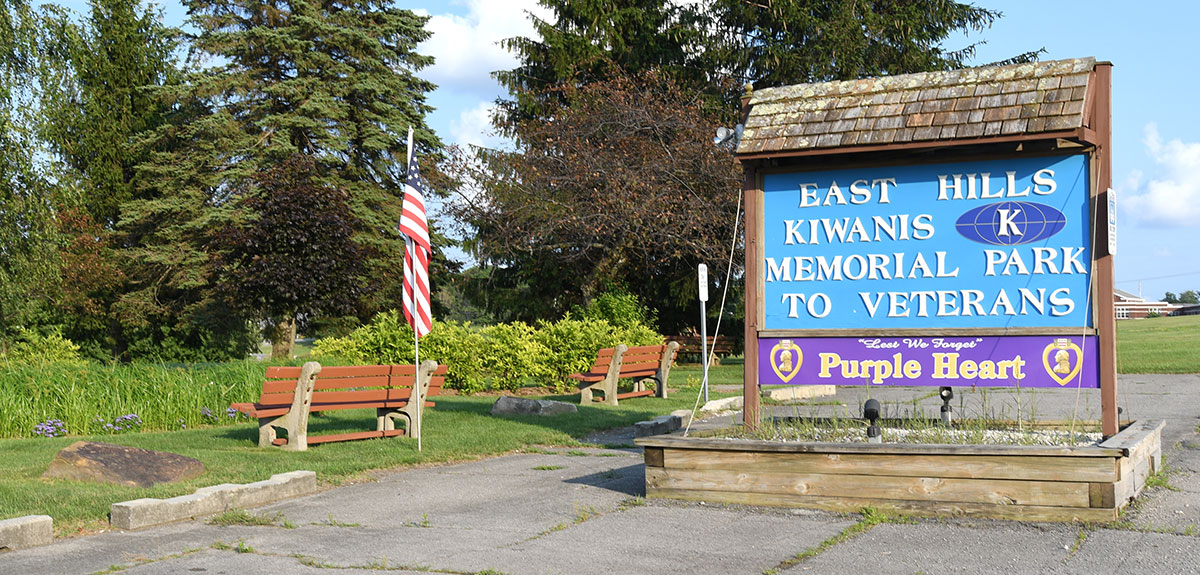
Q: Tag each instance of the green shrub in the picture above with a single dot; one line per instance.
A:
(33, 348)
(497, 357)
(620, 309)
(459, 347)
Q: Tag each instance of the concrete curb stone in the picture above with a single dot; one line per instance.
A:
(658, 426)
(28, 531)
(142, 513)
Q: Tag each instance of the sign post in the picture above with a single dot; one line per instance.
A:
(702, 277)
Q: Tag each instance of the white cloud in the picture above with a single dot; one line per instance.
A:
(474, 127)
(1170, 197)
(466, 49)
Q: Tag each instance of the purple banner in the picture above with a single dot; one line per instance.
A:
(1009, 361)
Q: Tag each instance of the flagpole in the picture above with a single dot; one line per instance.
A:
(412, 252)
(409, 245)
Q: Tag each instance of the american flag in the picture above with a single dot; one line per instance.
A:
(415, 229)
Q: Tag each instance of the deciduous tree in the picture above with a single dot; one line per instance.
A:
(619, 185)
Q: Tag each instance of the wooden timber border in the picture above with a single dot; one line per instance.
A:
(1028, 483)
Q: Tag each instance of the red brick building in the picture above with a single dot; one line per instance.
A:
(1131, 306)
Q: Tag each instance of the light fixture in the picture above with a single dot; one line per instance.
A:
(871, 413)
(947, 412)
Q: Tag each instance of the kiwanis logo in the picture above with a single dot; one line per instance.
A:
(1063, 360)
(786, 358)
(1010, 223)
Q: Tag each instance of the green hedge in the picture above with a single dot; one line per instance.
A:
(497, 357)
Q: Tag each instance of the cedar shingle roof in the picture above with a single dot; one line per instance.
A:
(959, 104)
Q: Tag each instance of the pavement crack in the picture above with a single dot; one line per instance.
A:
(136, 562)
(871, 517)
(382, 564)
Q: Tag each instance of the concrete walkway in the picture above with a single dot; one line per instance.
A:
(580, 511)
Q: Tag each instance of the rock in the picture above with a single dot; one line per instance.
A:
(507, 405)
(727, 404)
(798, 392)
(657, 426)
(122, 465)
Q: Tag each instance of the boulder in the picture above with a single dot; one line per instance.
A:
(507, 405)
(726, 404)
(120, 464)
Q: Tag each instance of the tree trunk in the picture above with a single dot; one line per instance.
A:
(283, 337)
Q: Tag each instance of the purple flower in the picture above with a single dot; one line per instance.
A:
(231, 412)
(50, 428)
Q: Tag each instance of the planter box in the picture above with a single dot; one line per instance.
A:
(1006, 482)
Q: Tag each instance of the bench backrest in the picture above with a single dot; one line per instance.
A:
(642, 359)
(635, 361)
(348, 387)
(604, 358)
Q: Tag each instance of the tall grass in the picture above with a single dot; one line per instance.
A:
(87, 397)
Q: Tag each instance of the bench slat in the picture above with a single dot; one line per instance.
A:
(345, 436)
(323, 383)
(643, 393)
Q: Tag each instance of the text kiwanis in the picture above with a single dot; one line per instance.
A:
(1010, 258)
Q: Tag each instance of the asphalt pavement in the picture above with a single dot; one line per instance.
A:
(580, 511)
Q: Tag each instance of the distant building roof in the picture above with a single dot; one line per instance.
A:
(1124, 295)
(960, 104)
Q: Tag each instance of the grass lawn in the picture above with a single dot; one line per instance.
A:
(458, 428)
(1159, 345)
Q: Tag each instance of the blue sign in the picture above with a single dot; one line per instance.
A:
(995, 244)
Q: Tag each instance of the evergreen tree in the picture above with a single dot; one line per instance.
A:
(585, 39)
(797, 41)
(333, 81)
(28, 241)
(97, 97)
(96, 76)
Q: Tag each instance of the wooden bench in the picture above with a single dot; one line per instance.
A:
(290, 394)
(638, 363)
(718, 345)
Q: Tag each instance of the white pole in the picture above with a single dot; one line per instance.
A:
(416, 349)
(702, 277)
(410, 246)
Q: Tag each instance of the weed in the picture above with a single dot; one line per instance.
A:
(313, 562)
(240, 516)
(243, 547)
(1080, 538)
(335, 523)
(1161, 478)
(584, 513)
(549, 467)
(424, 522)
(632, 502)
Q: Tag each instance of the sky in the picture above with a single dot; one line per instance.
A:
(1156, 141)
